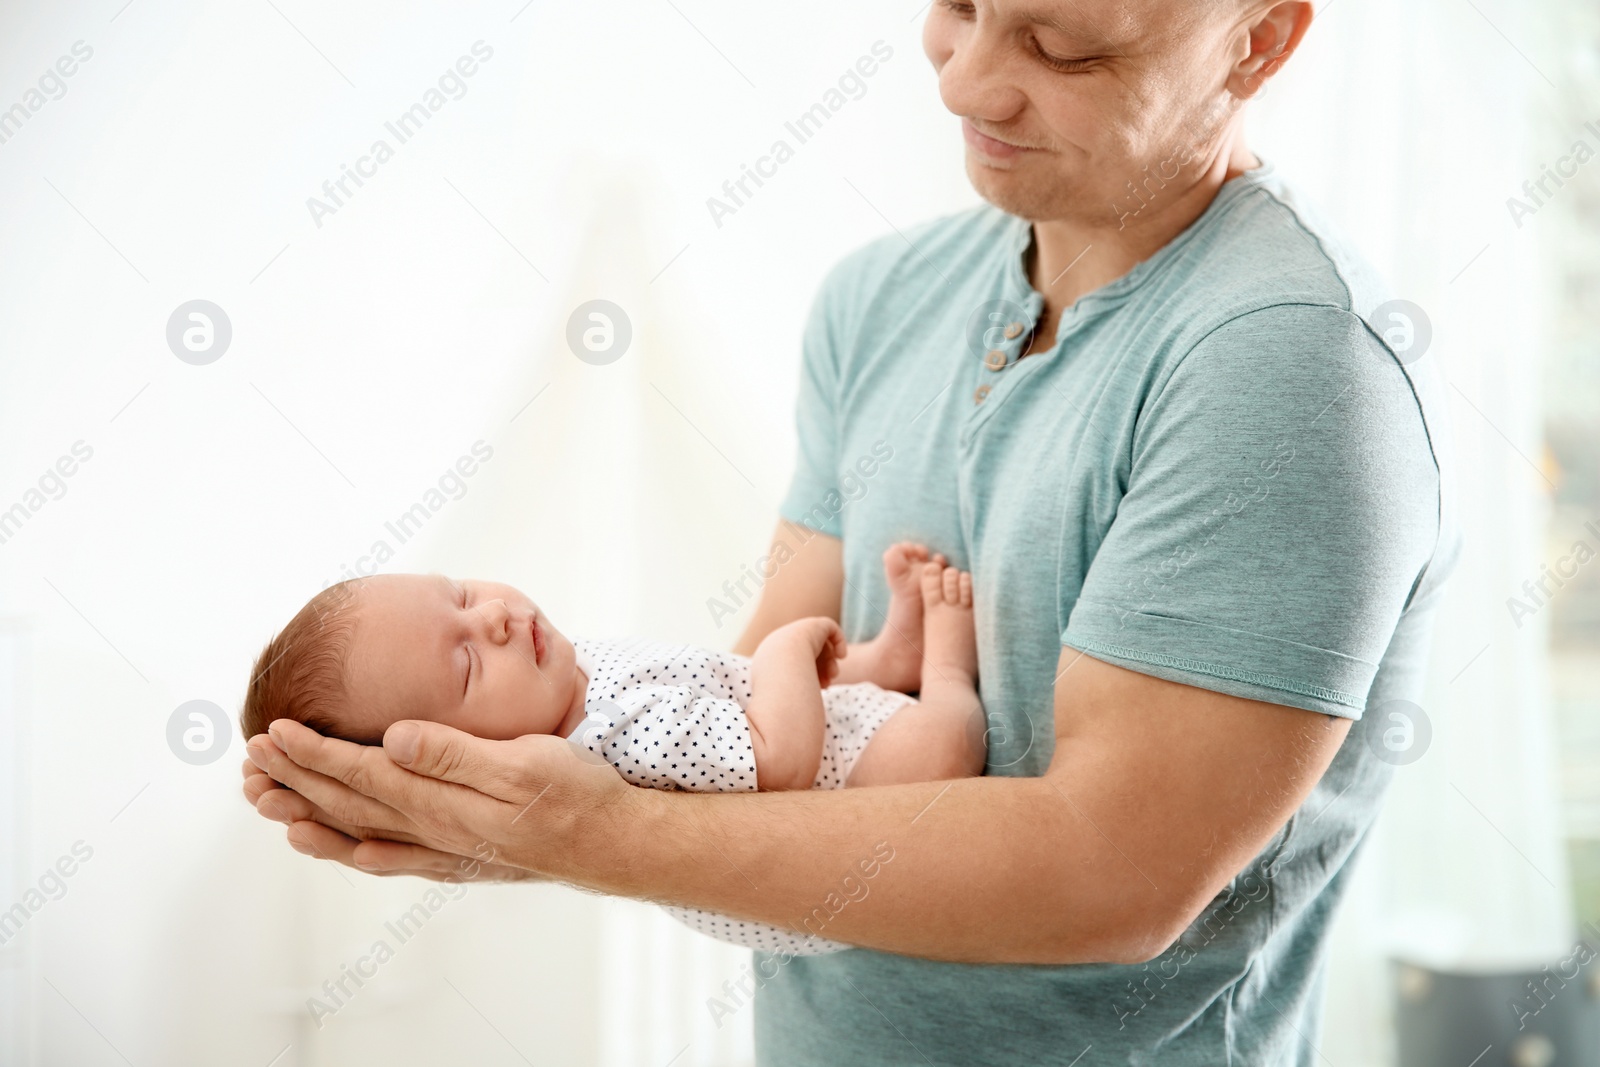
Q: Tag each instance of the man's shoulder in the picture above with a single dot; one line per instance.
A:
(1273, 301)
(1265, 245)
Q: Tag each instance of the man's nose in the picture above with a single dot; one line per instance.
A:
(975, 82)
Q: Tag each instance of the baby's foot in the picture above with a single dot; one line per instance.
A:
(949, 639)
(898, 646)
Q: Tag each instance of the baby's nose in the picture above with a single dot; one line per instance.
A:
(498, 618)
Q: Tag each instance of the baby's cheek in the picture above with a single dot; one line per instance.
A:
(512, 712)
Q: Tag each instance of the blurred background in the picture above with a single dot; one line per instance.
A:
(172, 488)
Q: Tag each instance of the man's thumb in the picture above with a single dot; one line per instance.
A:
(400, 742)
(435, 750)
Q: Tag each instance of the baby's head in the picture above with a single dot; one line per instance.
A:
(369, 652)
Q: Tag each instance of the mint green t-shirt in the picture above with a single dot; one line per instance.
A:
(1222, 474)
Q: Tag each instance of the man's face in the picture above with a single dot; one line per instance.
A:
(1064, 102)
(478, 656)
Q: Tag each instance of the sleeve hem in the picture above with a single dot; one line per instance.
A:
(1184, 659)
(1217, 671)
(807, 505)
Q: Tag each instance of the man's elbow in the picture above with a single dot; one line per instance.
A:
(1129, 940)
(1151, 933)
(1146, 945)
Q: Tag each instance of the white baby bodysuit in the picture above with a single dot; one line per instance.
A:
(672, 717)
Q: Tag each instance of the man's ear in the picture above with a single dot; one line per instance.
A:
(1272, 35)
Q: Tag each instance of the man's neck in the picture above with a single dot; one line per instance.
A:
(1072, 257)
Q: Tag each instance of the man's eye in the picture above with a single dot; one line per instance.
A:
(1066, 66)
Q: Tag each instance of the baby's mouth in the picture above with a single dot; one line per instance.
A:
(538, 639)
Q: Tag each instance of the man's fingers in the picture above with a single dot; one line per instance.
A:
(451, 755)
(384, 858)
(257, 784)
(285, 806)
(390, 857)
(322, 842)
(331, 796)
(395, 857)
(354, 765)
(451, 781)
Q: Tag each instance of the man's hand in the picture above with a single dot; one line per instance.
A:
(313, 832)
(815, 638)
(433, 801)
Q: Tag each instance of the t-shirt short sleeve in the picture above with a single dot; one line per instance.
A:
(672, 737)
(816, 468)
(1281, 508)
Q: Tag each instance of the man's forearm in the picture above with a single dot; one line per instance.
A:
(811, 582)
(982, 870)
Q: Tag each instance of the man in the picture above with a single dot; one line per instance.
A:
(1201, 501)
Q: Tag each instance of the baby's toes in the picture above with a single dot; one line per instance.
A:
(966, 589)
(899, 558)
(952, 586)
(932, 584)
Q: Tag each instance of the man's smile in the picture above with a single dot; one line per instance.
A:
(991, 146)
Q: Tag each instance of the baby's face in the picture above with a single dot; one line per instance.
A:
(478, 656)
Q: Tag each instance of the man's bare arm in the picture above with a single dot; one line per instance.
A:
(1158, 794)
(810, 582)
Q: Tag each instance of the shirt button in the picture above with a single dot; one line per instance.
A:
(979, 394)
(1013, 331)
(995, 359)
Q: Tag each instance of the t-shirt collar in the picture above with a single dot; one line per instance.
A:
(1020, 236)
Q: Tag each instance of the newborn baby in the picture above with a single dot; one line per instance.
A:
(481, 657)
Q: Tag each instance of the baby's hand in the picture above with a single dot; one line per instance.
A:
(790, 669)
(817, 638)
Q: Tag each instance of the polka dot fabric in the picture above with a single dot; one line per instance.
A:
(672, 717)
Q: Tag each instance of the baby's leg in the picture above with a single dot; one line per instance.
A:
(941, 735)
(893, 659)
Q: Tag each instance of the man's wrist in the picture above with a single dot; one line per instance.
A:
(594, 834)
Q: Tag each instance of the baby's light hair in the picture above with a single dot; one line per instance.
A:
(302, 674)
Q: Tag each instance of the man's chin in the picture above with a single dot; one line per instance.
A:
(1009, 191)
